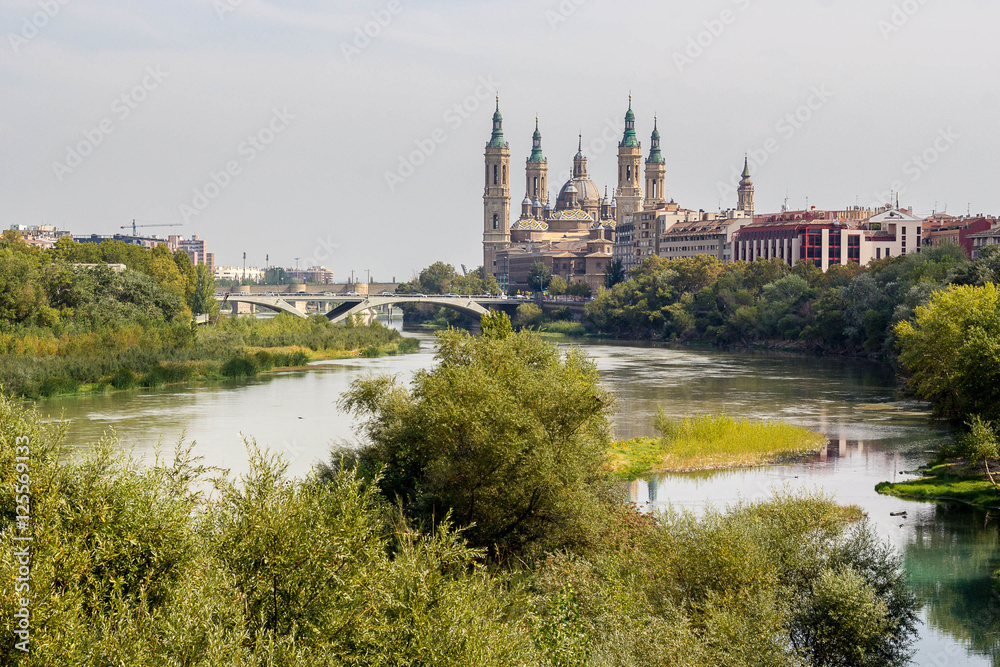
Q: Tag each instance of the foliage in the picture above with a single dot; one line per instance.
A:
(131, 567)
(528, 315)
(952, 353)
(850, 308)
(615, 273)
(710, 441)
(506, 433)
(557, 286)
(134, 564)
(539, 276)
(43, 364)
(441, 278)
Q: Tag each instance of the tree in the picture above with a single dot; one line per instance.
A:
(437, 278)
(539, 277)
(557, 286)
(951, 353)
(203, 298)
(528, 315)
(615, 273)
(506, 434)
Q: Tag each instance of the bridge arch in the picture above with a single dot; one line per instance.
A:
(468, 306)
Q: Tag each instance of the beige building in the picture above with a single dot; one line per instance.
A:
(692, 233)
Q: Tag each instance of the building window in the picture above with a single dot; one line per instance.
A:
(878, 253)
(496, 221)
(495, 174)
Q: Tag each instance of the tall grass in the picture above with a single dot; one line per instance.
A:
(710, 441)
(39, 363)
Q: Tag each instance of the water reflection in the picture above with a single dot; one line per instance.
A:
(951, 555)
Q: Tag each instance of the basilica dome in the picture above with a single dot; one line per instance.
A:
(586, 190)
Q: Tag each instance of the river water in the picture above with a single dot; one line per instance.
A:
(949, 552)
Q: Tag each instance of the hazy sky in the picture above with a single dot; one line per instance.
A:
(114, 110)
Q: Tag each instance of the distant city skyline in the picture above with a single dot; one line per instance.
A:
(353, 135)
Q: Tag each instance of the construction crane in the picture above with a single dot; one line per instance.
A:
(134, 226)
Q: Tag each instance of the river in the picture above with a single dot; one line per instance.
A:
(949, 552)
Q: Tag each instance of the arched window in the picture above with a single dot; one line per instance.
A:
(628, 173)
(505, 174)
(496, 221)
(536, 188)
(494, 175)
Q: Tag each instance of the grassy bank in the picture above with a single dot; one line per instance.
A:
(41, 363)
(710, 442)
(946, 483)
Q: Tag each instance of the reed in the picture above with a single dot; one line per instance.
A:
(709, 442)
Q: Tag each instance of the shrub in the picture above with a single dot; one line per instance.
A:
(240, 367)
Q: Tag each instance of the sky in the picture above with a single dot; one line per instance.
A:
(351, 134)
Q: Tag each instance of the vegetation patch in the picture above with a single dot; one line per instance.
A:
(476, 525)
(943, 486)
(710, 442)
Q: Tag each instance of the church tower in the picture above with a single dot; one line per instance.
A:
(629, 191)
(746, 190)
(496, 196)
(536, 172)
(656, 172)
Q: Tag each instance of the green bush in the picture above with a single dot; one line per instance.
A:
(240, 367)
(124, 378)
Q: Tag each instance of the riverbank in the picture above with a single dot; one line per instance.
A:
(946, 483)
(710, 442)
(43, 365)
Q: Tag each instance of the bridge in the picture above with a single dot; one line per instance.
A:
(340, 307)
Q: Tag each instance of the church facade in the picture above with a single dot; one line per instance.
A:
(572, 233)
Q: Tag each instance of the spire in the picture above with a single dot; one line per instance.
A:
(655, 156)
(745, 181)
(497, 140)
(536, 145)
(629, 139)
(580, 161)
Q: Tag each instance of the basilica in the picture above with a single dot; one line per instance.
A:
(574, 233)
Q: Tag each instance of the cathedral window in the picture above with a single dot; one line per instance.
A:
(505, 174)
(494, 175)
(628, 173)
(496, 221)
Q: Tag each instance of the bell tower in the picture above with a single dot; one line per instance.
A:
(746, 190)
(656, 172)
(496, 196)
(628, 194)
(536, 172)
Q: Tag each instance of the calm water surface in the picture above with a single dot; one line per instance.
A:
(949, 552)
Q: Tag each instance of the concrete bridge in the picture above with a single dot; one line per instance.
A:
(341, 307)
